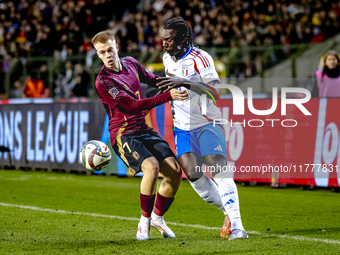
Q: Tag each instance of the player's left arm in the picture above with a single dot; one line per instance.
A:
(208, 75)
(146, 76)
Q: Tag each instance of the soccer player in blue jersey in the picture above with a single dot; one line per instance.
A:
(196, 138)
(141, 148)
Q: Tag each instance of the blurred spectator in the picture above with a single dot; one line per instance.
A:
(81, 81)
(43, 74)
(56, 23)
(328, 79)
(307, 35)
(64, 82)
(18, 90)
(34, 86)
(64, 28)
(90, 53)
(318, 35)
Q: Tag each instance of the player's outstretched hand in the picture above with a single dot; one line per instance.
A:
(168, 83)
(179, 95)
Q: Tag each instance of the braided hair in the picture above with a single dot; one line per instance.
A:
(184, 34)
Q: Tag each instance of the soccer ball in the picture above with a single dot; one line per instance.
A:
(95, 155)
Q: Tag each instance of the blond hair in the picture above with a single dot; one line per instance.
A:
(103, 37)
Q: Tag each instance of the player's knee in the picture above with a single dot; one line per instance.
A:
(150, 167)
(177, 172)
(176, 167)
(215, 159)
(171, 168)
(193, 175)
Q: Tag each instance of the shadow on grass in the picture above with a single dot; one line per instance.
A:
(306, 232)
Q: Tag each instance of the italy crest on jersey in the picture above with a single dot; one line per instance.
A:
(185, 70)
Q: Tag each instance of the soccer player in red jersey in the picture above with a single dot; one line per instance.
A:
(141, 148)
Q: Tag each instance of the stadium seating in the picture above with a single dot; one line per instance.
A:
(64, 29)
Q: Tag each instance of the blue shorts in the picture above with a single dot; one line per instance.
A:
(205, 140)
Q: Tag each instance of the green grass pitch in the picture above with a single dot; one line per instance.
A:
(50, 213)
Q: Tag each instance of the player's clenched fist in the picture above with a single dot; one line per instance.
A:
(179, 95)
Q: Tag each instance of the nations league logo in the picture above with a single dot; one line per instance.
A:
(113, 92)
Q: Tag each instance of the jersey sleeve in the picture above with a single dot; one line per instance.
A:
(107, 90)
(204, 66)
(145, 75)
(118, 98)
(131, 105)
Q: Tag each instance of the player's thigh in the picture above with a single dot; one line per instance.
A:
(185, 142)
(157, 146)
(212, 141)
(161, 150)
(132, 151)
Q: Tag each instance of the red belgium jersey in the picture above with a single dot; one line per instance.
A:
(120, 94)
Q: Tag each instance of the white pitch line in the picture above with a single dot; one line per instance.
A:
(299, 238)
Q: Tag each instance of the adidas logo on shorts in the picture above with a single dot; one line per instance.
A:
(218, 148)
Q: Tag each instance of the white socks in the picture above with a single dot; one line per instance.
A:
(228, 193)
(224, 196)
(208, 191)
(155, 216)
(144, 219)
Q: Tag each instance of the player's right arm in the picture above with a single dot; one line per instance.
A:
(166, 83)
(207, 72)
(117, 97)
